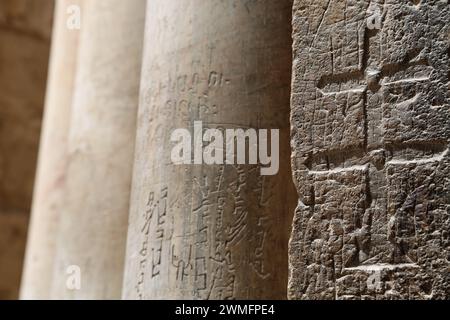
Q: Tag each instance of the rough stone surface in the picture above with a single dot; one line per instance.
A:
(49, 187)
(211, 231)
(92, 229)
(371, 131)
(25, 28)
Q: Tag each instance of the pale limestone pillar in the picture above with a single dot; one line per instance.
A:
(93, 224)
(25, 31)
(220, 231)
(51, 173)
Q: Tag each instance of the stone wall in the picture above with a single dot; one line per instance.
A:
(371, 133)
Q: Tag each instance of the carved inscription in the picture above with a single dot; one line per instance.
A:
(211, 242)
(224, 232)
(153, 234)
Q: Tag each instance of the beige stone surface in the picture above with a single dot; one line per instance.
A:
(220, 231)
(93, 225)
(371, 133)
(49, 187)
(25, 28)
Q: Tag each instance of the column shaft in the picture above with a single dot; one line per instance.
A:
(52, 164)
(211, 231)
(93, 226)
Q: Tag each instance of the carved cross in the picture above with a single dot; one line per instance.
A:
(369, 82)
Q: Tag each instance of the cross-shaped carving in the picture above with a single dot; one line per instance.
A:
(371, 123)
(370, 82)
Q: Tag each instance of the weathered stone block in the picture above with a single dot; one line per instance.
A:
(371, 132)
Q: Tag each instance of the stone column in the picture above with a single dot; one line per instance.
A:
(210, 231)
(52, 164)
(25, 30)
(93, 224)
(371, 133)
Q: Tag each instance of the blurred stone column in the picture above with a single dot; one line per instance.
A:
(93, 224)
(48, 194)
(25, 29)
(211, 231)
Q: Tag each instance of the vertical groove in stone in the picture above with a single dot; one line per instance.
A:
(220, 231)
(93, 226)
